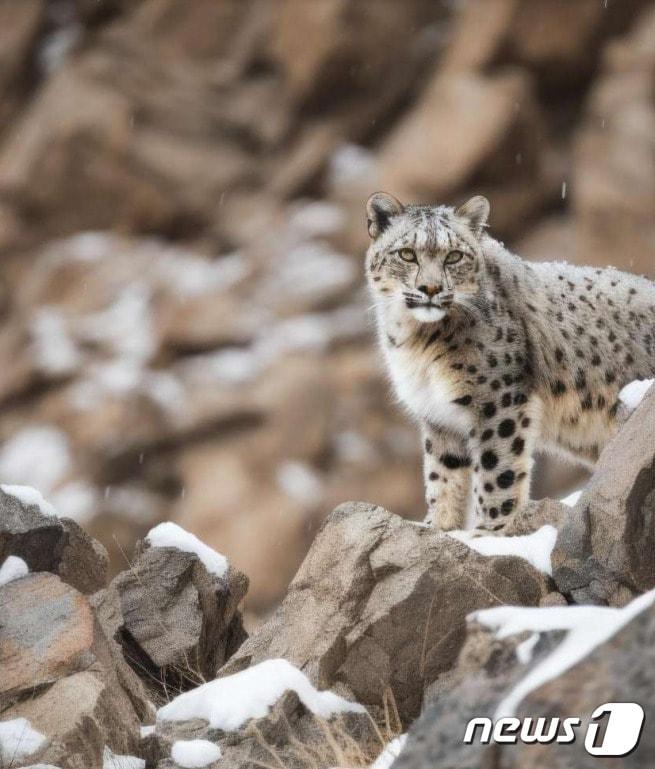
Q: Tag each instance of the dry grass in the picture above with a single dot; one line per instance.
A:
(336, 747)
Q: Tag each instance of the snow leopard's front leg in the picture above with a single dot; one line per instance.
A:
(447, 475)
(503, 463)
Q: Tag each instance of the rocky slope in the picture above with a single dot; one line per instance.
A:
(387, 626)
(184, 334)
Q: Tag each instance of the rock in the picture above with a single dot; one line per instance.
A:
(59, 673)
(417, 167)
(20, 24)
(536, 514)
(613, 187)
(178, 622)
(290, 733)
(617, 670)
(605, 552)
(42, 604)
(48, 543)
(381, 603)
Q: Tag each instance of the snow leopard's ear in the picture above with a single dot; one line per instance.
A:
(380, 207)
(476, 212)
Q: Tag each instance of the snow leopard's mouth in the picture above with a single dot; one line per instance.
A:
(442, 303)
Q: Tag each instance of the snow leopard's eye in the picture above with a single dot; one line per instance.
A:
(407, 254)
(454, 257)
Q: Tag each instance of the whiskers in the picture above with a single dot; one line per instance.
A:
(469, 305)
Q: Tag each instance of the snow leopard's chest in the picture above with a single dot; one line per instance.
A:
(427, 389)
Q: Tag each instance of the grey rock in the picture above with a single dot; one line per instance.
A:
(47, 543)
(380, 604)
(605, 552)
(620, 670)
(177, 623)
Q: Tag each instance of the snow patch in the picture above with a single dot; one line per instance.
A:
(147, 730)
(30, 497)
(299, 481)
(228, 703)
(191, 754)
(525, 648)
(37, 456)
(76, 500)
(111, 760)
(13, 568)
(169, 534)
(188, 275)
(390, 753)
(634, 393)
(318, 218)
(17, 740)
(351, 164)
(587, 626)
(53, 349)
(535, 548)
(572, 499)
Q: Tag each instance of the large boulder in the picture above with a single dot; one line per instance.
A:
(605, 552)
(60, 672)
(380, 604)
(177, 621)
(498, 678)
(48, 543)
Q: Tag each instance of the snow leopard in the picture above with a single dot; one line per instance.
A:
(496, 357)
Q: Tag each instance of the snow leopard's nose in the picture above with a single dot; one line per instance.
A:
(430, 290)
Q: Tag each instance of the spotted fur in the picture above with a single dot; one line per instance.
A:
(496, 357)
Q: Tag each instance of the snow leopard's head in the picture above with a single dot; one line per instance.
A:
(427, 259)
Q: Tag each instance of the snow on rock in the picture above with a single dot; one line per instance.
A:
(76, 500)
(299, 481)
(390, 753)
(525, 648)
(587, 626)
(53, 349)
(228, 703)
(318, 218)
(572, 499)
(111, 760)
(536, 548)
(37, 456)
(145, 731)
(194, 753)
(634, 393)
(29, 496)
(13, 568)
(169, 534)
(17, 740)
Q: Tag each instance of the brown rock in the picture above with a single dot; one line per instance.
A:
(60, 673)
(437, 148)
(380, 602)
(20, 24)
(46, 633)
(614, 187)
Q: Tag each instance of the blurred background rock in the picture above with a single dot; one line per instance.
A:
(184, 332)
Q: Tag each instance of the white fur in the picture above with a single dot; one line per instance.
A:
(425, 392)
(428, 314)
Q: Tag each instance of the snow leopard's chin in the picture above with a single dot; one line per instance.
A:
(428, 313)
